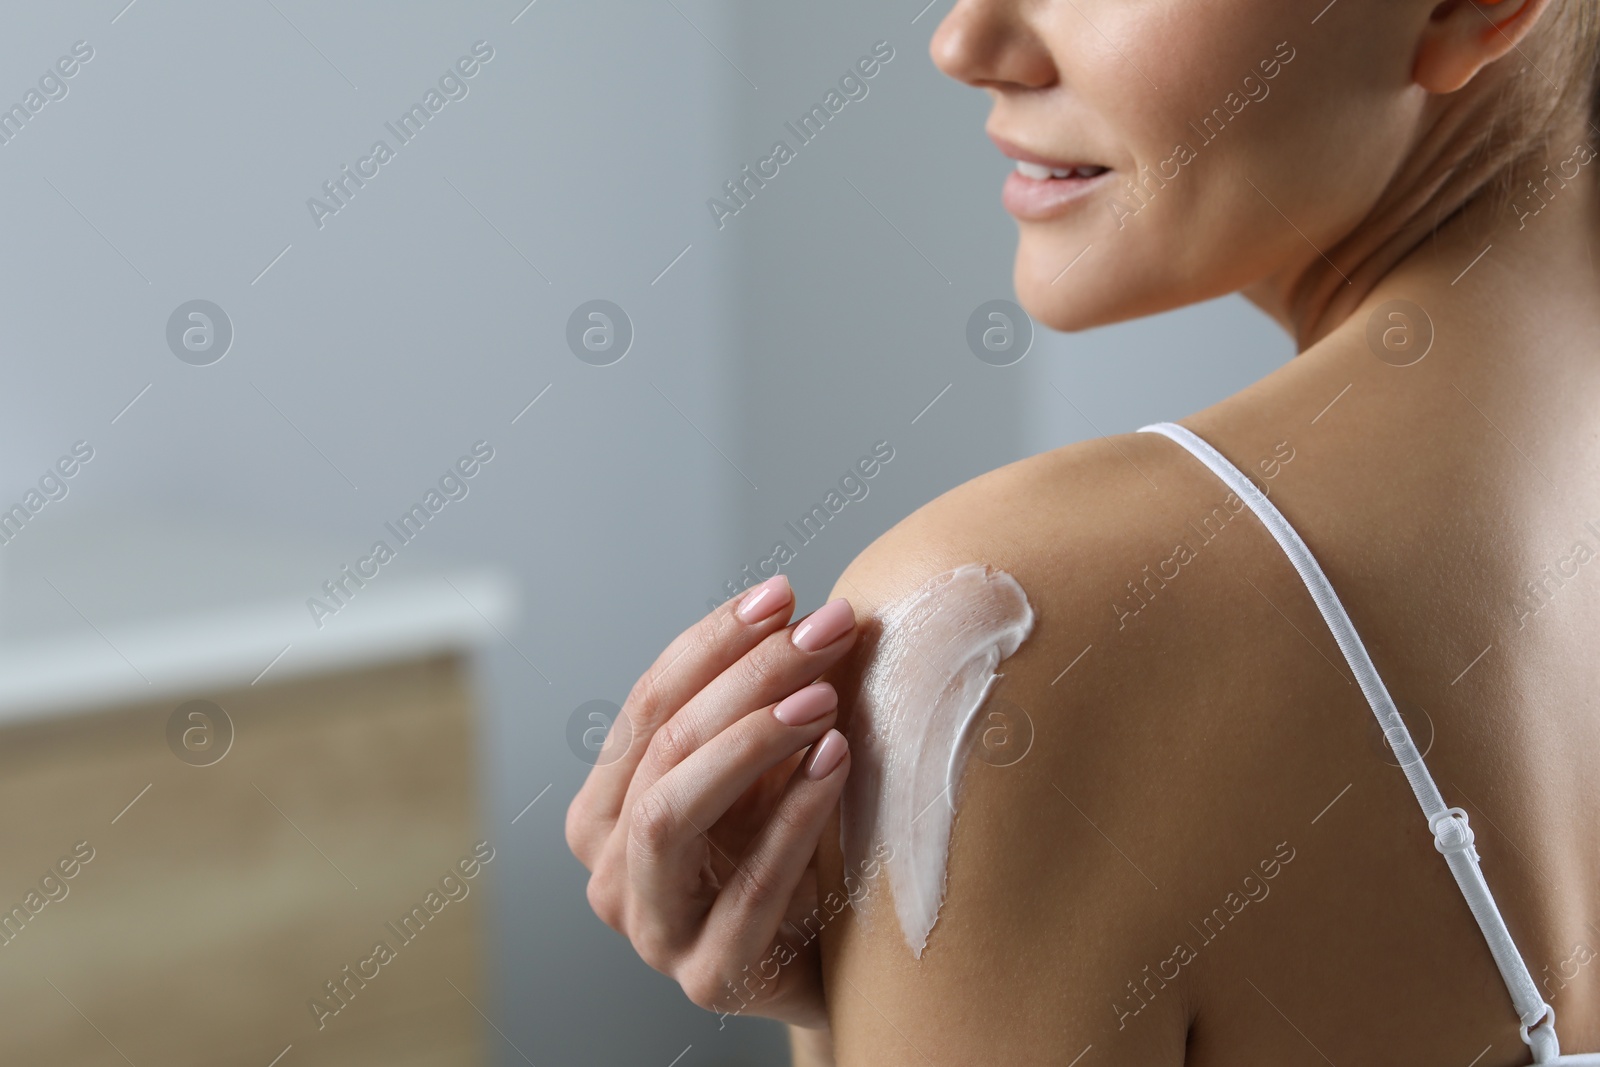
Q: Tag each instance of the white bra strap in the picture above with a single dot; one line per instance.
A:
(1452, 836)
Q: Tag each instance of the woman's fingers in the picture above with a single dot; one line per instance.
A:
(696, 658)
(668, 843)
(747, 913)
(687, 665)
(778, 666)
(695, 776)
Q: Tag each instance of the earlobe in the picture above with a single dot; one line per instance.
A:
(1464, 36)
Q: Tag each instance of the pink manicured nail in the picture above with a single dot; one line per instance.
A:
(826, 755)
(766, 598)
(824, 626)
(808, 705)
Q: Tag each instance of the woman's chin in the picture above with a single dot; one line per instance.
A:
(1068, 288)
(1065, 302)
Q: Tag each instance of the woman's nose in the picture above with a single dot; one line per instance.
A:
(991, 44)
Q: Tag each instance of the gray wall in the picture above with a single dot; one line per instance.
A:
(425, 314)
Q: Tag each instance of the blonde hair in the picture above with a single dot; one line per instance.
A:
(1553, 79)
(1571, 38)
(1586, 37)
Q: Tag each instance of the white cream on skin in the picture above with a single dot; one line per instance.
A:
(933, 667)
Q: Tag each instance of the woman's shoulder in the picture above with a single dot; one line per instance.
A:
(1111, 540)
(1052, 520)
(1115, 725)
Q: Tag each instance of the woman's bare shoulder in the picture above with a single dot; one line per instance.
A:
(1055, 850)
(1049, 517)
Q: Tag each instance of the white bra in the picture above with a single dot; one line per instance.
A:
(1451, 834)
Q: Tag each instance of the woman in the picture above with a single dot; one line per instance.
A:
(1186, 838)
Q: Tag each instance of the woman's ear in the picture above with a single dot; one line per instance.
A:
(1464, 36)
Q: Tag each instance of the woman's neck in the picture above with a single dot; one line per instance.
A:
(1495, 320)
(1440, 224)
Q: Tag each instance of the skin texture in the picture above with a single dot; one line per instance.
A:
(1182, 748)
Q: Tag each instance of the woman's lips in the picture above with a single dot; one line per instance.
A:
(1041, 188)
(1040, 199)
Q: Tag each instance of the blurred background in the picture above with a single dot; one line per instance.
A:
(577, 403)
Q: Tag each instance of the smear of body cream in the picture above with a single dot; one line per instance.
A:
(934, 665)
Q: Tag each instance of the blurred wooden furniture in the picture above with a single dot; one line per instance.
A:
(221, 899)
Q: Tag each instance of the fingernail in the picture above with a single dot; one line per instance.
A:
(808, 705)
(824, 626)
(826, 755)
(766, 598)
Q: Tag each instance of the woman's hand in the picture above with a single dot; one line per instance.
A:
(700, 821)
